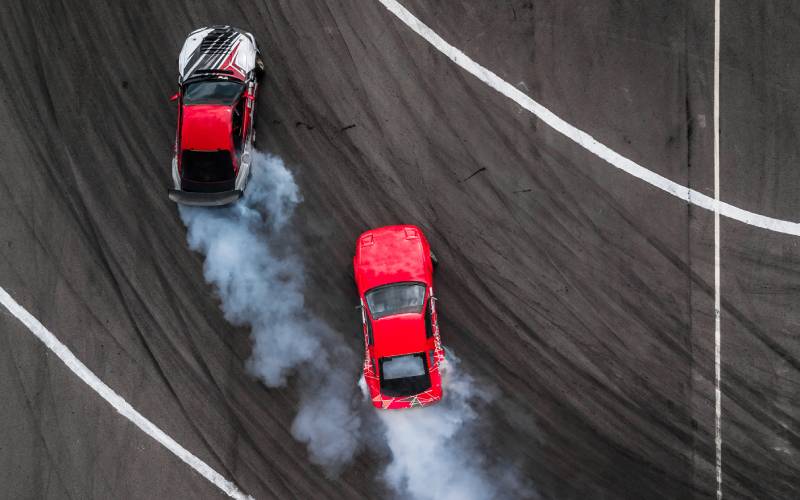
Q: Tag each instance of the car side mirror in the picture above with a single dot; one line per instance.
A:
(175, 97)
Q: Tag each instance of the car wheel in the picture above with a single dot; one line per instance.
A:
(434, 259)
(259, 66)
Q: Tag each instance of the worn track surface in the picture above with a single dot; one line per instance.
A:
(583, 295)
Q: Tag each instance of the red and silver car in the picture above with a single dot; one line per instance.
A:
(393, 269)
(219, 69)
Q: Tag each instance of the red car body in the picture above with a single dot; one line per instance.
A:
(393, 270)
(219, 69)
(206, 127)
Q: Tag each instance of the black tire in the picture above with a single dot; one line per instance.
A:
(434, 259)
(259, 66)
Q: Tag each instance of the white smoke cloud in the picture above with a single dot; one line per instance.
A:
(252, 264)
(260, 282)
(434, 455)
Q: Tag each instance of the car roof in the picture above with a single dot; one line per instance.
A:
(206, 127)
(390, 254)
(399, 334)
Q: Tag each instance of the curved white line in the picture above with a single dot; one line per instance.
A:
(582, 138)
(115, 400)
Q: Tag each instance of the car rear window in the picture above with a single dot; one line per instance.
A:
(403, 366)
(207, 166)
(212, 92)
(401, 298)
(404, 375)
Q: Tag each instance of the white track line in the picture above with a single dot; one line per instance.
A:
(717, 290)
(115, 400)
(582, 138)
(617, 160)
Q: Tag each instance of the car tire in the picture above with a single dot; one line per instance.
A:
(434, 259)
(259, 66)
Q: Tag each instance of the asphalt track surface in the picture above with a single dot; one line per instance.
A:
(585, 296)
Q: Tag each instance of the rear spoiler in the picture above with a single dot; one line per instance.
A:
(204, 199)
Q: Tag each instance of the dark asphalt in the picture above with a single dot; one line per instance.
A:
(584, 296)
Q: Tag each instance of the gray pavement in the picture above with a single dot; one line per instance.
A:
(584, 296)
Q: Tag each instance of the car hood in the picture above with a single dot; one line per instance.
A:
(399, 334)
(206, 127)
(388, 255)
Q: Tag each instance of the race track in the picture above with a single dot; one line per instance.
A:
(582, 296)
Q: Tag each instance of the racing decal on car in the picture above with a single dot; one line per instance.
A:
(215, 49)
(229, 64)
(417, 400)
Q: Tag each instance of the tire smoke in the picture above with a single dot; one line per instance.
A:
(434, 454)
(252, 262)
(259, 279)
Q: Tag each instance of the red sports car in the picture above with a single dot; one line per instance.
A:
(219, 71)
(393, 269)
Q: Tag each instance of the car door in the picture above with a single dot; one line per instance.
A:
(249, 115)
(369, 340)
(238, 118)
(432, 327)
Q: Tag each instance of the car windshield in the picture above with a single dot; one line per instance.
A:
(212, 92)
(396, 299)
(404, 375)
